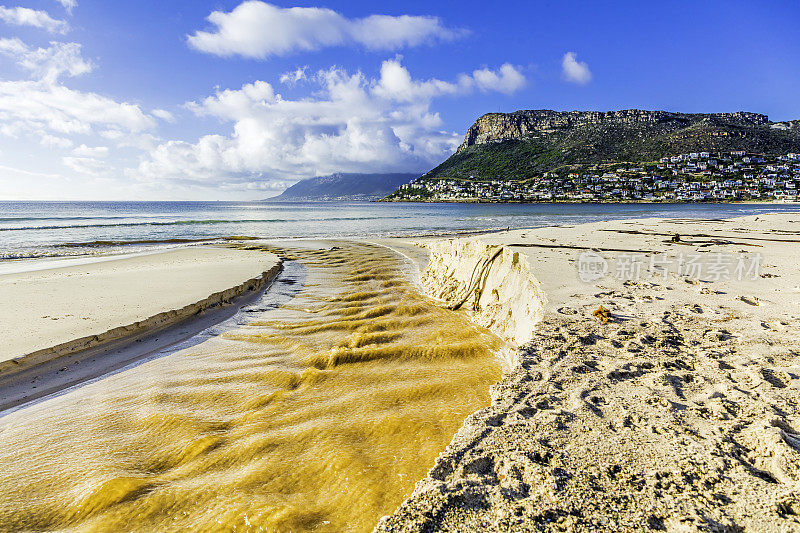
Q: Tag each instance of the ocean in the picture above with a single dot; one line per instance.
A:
(52, 229)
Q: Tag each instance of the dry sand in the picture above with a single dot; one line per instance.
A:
(44, 308)
(681, 413)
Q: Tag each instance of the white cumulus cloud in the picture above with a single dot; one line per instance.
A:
(23, 16)
(575, 71)
(42, 108)
(396, 82)
(257, 29)
(164, 115)
(349, 123)
(33, 106)
(508, 79)
(91, 151)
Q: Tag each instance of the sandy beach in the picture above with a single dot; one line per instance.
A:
(50, 307)
(109, 313)
(677, 409)
(650, 378)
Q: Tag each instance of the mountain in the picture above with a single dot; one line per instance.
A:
(526, 144)
(344, 187)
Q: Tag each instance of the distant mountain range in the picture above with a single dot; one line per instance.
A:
(526, 144)
(344, 187)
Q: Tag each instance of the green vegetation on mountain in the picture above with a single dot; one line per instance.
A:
(526, 144)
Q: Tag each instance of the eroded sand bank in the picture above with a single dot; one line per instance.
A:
(681, 413)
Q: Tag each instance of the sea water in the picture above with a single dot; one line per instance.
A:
(41, 229)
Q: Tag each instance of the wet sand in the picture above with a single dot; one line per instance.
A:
(681, 412)
(88, 320)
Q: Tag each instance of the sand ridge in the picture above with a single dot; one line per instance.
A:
(493, 282)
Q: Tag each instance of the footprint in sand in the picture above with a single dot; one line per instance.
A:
(777, 379)
(706, 290)
(772, 451)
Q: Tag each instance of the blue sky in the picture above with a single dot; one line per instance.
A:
(237, 100)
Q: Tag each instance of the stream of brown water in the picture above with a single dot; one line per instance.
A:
(318, 416)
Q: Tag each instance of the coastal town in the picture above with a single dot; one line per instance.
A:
(689, 177)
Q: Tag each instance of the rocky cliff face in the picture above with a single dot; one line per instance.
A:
(525, 144)
(522, 124)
